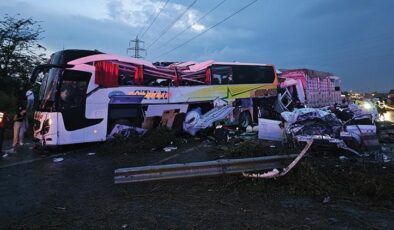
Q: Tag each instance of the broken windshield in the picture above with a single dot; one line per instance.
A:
(48, 89)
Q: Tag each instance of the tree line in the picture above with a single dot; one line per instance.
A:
(20, 51)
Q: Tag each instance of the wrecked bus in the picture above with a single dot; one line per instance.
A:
(84, 94)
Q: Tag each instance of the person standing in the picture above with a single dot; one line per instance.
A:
(30, 99)
(19, 130)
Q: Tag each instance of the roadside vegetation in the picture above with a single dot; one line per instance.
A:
(20, 52)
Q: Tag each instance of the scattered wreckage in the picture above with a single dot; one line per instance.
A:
(350, 128)
(347, 127)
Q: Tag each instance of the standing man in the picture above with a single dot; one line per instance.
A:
(19, 130)
(30, 99)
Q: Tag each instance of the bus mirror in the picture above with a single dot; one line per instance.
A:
(35, 73)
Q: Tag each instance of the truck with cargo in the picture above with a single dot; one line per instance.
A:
(311, 88)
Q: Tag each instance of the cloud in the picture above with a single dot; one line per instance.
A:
(134, 13)
(354, 41)
(139, 13)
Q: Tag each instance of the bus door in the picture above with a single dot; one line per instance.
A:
(72, 122)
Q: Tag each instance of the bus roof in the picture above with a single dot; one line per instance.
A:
(110, 57)
(194, 67)
(241, 63)
(190, 66)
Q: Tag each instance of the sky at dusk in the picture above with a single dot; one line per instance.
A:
(352, 39)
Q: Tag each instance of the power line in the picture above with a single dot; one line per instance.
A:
(183, 31)
(153, 21)
(172, 24)
(203, 32)
(151, 17)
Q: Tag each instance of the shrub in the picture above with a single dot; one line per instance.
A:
(7, 102)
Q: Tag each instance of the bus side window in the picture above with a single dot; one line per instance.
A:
(126, 77)
(221, 75)
(253, 74)
(72, 94)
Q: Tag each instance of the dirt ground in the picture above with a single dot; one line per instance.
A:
(79, 193)
(327, 190)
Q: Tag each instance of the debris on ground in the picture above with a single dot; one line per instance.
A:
(58, 159)
(152, 140)
(309, 122)
(270, 130)
(343, 158)
(350, 129)
(170, 147)
(125, 131)
(326, 200)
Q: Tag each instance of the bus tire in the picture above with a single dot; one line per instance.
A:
(244, 119)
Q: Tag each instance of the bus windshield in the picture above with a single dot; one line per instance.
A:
(48, 89)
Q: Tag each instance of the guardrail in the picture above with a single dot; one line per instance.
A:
(200, 169)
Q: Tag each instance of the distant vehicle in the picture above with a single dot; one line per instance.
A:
(84, 93)
(311, 88)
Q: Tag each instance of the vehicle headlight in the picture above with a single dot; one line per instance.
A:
(367, 105)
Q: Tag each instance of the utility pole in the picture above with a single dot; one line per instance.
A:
(137, 47)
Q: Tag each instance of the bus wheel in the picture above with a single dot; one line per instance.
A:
(244, 119)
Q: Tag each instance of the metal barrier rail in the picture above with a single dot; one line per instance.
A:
(199, 169)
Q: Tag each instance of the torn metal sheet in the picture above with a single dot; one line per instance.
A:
(275, 172)
(356, 130)
(311, 122)
(335, 141)
(270, 130)
(195, 121)
(125, 131)
(366, 110)
(303, 114)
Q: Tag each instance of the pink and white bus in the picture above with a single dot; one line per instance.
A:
(84, 93)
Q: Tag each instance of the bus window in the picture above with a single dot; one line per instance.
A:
(126, 76)
(72, 94)
(253, 74)
(73, 89)
(221, 75)
(152, 80)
